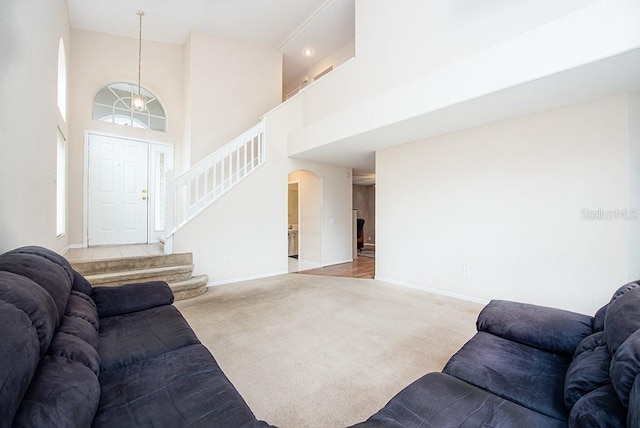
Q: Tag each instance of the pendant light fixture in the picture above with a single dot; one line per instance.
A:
(139, 101)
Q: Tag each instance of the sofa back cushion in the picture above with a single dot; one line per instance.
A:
(633, 415)
(598, 408)
(68, 374)
(589, 369)
(29, 318)
(48, 275)
(63, 393)
(606, 364)
(46, 254)
(623, 315)
(625, 367)
(50, 338)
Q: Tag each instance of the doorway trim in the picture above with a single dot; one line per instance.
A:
(85, 173)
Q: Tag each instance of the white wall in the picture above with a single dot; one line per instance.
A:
(507, 201)
(406, 39)
(634, 183)
(399, 79)
(229, 85)
(99, 59)
(29, 119)
(397, 42)
(249, 225)
(212, 90)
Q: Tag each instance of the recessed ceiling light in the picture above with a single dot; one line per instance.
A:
(307, 52)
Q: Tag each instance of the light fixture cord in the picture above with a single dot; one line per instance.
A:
(140, 13)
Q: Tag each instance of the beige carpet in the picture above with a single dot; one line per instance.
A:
(315, 351)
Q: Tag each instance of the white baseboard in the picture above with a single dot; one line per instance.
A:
(76, 246)
(306, 264)
(246, 278)
(338, 262)
(434, 290)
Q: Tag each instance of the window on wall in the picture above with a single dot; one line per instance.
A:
(61, 185)
(62, 81)
(113, 104)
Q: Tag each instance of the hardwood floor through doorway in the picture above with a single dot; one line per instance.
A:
(362, 267)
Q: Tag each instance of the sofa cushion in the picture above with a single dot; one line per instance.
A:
(598, 318)
(63, 393)
(75, 349)
(181, 388)
(633, 413)
(81, 285)
(625, 367)
(35, 302)
(599, 408)
(439, 400)
(138, 336)
(49, 275)
(523, 374)
(623, 290)
(590, 342)
(81, 328)
(589, 369)
(623, 315)
(48, 254)
(19, 357)
(131, 297)
(523, 323)
(81, 306)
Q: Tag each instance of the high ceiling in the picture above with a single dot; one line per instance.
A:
(289, 25)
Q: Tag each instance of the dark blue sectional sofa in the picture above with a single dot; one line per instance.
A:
(532, 366)
(76, 356)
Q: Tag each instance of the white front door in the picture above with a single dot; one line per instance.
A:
(118, 191)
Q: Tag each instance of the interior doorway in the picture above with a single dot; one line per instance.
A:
(293, 214)
(306, 229)
(126, 190)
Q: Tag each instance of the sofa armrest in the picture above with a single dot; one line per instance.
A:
(123, 299)
(549, 329)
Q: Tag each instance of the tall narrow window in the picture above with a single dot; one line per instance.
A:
(62, 81)
(61, 185)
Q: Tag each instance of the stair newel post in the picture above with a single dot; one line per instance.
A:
(169, 213)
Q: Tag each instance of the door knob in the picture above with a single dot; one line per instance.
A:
(144, 198)
(144, 190)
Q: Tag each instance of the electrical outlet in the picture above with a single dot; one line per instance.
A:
(466, 270)
(227, 260)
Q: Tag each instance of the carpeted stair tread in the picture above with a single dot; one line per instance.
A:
(131, 263)
(175, 269)
(165, 273)
(192, 287)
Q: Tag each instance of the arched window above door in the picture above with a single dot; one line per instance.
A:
(113, 104)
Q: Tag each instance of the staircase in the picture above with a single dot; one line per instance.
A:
(194, 190)
(175, 269)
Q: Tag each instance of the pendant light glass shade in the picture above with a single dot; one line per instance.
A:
(138, 101)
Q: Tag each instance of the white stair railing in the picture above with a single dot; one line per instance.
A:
(194, 190)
